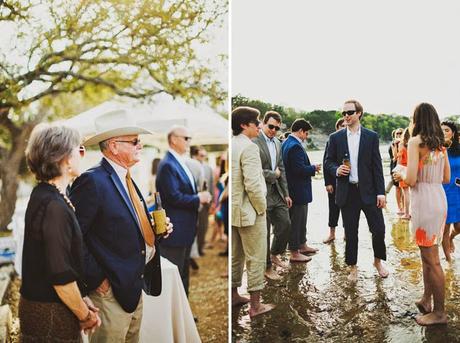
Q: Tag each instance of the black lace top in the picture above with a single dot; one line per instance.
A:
(52, 253)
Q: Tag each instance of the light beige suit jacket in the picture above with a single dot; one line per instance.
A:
(248, 183)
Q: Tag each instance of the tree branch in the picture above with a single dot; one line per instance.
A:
(14, 13)
(7, 122)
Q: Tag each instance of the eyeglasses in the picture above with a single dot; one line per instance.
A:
(271, 127)
(255, 122)
(134, 142)
(186, 138)
(82, 150)
(348, 113)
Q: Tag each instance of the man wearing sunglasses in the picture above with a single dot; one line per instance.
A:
(121, 250)
(278, 200)
(181, 198)
(353, 156)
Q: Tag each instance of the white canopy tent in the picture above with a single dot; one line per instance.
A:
(206, 126)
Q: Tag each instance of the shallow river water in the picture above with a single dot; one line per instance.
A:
(316, 303)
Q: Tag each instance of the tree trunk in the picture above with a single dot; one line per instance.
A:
(9, 175)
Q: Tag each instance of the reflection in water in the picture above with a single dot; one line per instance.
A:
(316, 303)
(402, 238)
(408, 253)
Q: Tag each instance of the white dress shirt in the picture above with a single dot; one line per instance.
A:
(353, 148)
(121, 173)
(271, 149)
(181, 160)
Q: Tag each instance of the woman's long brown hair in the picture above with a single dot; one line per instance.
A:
(427, 125)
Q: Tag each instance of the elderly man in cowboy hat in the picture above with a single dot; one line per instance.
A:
(121, 250)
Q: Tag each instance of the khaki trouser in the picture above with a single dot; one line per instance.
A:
(249, 244)
(117, 325)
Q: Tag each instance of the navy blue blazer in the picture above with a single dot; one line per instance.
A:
(114, 246)
(329, 179)
(298, 171)
(370, 171)
(179, 200)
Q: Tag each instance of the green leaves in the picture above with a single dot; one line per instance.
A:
(112, 43)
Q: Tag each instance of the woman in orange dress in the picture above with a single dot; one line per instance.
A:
(402, 160)
(427, 168)
(393, 152)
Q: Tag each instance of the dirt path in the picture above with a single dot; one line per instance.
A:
(208, 297)
(209, 294)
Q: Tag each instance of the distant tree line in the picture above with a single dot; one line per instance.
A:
(454, 118)
(324, 120)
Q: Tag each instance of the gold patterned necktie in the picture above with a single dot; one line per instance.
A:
(144, 222)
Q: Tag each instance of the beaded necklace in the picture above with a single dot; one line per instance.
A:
(66, 198)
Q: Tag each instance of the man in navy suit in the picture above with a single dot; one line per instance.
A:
(181, 200)
(121, 252)
(353, 156)
(299, 171)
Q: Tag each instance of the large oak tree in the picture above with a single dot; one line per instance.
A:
(136, 48)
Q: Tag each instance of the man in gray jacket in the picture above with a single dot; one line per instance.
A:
(249, 225)
(278, 200)
(206, 183)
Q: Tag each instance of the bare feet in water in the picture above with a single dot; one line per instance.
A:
(278, 262)
(353, 276)
(381, 269)
(423, 306)
(432, 318)
(239, 300)
(330, 239)
(306, 250)
(261, 308)
(271, 274)
(298, 257)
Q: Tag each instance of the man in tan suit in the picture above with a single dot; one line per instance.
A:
(249, 205)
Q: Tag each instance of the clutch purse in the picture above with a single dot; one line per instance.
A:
(401, 170)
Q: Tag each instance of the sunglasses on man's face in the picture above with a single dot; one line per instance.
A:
(186, 138)
(255, 122)
(82, 150)
(134, 142)
(348, 113)
(271, 127)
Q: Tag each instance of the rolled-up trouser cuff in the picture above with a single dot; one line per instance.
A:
(251, 242)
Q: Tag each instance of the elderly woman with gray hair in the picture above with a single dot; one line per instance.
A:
(52, 308)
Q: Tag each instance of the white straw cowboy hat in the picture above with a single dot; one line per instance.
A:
(114, 124)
